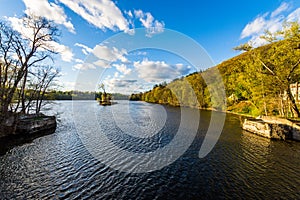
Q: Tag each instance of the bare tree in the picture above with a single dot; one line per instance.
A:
(19, 51)
(11, 72)
(45, 76)
(40, 80)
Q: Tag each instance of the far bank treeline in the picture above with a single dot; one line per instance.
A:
(257, 82)
(80, 95)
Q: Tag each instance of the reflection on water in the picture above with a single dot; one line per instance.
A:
(58, 166)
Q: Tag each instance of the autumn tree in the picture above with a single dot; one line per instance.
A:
(280, 61)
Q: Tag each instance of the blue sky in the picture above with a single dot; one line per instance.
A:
(88, 25)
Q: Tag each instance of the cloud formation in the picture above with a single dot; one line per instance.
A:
(124, 86)
(103, 14)
(294, 16)
(269, 21)
(50, 11)
(102, 63)
(283, 7)
(65, 52)
(122, 68)
(153, 26)
(108, 55)
(119, 83)
(85, 49)
(254, 27)
(158, 71)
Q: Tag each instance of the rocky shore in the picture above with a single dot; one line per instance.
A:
(273, 128)
(19, 129)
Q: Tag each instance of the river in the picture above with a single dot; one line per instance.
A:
(109, 153)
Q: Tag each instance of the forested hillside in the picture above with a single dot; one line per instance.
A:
(257, 82)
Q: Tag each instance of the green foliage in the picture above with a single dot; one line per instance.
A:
(254, 81)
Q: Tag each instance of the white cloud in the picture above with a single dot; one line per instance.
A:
(147, 20)
(153, 26)
(102, 14)
(257, 41)
(64, 51)
(85, 49)
(51, 11)
(122, 68)
(79, 60)
(283, 7)
(271, 22)
(17, 24)
(109, 55)
(129, 13)
(116, 75)
(294, 16)
(102, 63)
(138, 13)
(84, 66)
(254, 27)
(124, 86)
(130, 19)
(158, 71)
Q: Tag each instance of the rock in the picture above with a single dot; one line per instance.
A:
(36, 124)
(258, 127)
(273, 128)
(17, 130)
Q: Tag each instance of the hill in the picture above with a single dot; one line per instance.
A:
(257, 82)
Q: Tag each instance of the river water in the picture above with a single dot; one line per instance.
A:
(81, 161)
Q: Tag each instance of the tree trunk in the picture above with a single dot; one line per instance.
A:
(23, 96)
(282, 112)
(294, 108)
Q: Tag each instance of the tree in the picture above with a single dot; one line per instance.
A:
(105, 97)
(280, 60)
(19, 51)
(102, 86)
(42, 79)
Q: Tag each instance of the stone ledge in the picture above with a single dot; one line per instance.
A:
(25, 129)
(273, 128)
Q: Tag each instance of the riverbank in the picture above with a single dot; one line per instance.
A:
(20, 129)
(271, 127)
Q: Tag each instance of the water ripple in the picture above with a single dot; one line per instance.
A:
(241, 165)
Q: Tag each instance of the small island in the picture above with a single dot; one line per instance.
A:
(105, 98)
